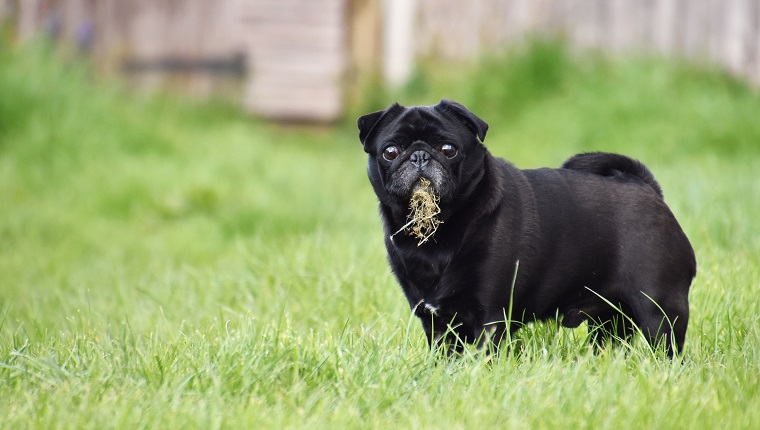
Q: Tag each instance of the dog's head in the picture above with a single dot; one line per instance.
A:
(441, 143)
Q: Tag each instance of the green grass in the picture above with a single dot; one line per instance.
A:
(165, 264)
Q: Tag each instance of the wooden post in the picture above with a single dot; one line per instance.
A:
(398, 40)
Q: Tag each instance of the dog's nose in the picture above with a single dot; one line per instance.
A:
(419, 159)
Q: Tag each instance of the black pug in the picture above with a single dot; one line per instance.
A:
(593, 238)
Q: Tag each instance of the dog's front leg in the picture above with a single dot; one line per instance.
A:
(447, 337)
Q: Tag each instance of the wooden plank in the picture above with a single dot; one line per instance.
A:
(298, 51)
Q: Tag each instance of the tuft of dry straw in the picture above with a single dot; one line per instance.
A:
(423, 213)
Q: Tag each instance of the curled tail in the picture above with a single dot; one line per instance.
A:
(612, 165)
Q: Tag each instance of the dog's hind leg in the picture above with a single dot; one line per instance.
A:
(660, 323)
(610, 328)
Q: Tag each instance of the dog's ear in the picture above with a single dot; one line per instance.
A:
(477, 125)
(368, 123)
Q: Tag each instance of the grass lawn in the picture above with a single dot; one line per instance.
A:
(165, 264)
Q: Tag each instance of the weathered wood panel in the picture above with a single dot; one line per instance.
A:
(299, 51)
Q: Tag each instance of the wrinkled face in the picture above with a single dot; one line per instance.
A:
(439, 143)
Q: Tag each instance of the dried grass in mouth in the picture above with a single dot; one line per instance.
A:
(423, 213)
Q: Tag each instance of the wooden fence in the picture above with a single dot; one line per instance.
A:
(292, 59)
(283, 59)
(726, 32)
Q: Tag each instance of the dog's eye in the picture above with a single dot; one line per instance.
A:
(390, 153)
(449, 151)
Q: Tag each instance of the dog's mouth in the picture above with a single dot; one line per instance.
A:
(424, 211)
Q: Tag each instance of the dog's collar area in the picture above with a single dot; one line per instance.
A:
(423, 308)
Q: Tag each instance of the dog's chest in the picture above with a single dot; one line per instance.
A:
(423, 269)
(429, 277)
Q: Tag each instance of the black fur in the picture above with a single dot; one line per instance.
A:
(592, 238)
(604, 164)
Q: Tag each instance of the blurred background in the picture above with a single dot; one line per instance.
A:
(299, 60)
